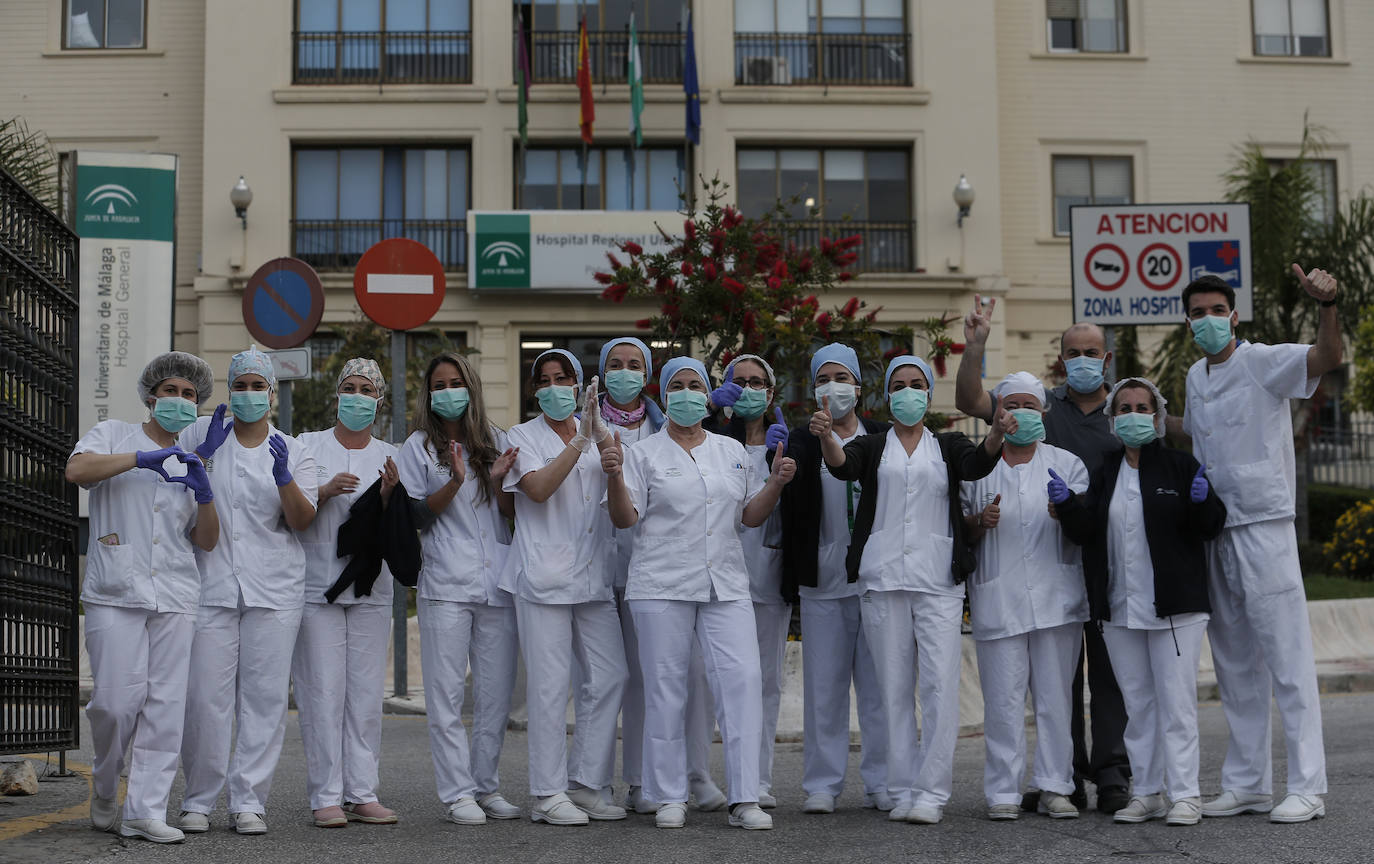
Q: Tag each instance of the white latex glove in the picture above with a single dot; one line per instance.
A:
(591, 429)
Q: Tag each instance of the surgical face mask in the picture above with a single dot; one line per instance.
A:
(1085, 373)
(1135, 430)
(908, 405)
(751, 403)
(449, 403)
(687, 407)
(1030, 426)
(557, 401)
(841, 394)
(624, 385)
(356, 411)
(174, 413)
(249, 405)
(1212, 333)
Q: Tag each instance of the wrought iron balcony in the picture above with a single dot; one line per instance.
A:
(553, 56)
(390, 57)
(887, 247)
(839, 59)
(337, 244)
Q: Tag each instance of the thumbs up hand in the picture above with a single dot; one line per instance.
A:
(784, 467)
(1197, 493)
(726, 395)
(777, 433)
(821, 421)
(1058, 490)
(991, 515)
(613, 457)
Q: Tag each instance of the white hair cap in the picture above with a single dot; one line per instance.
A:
(1161, 413)
(1021, 382)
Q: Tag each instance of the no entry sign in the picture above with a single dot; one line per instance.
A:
(283, 302)
(399, 283)
(1131, 262)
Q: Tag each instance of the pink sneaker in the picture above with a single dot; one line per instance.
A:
(330, 817)
(372, 813)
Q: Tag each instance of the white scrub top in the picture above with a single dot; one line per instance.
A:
(763, 545)
(466, 546)
(258, 561)
(839, 503)
(690, 506)
(1237, 414)
(564, 545)
(139, 555)
(1131, 571)
(1029, 576)
(625, 540)
(323, 566)
(912, 544)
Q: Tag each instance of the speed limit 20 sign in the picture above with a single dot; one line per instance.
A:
(1131, 262)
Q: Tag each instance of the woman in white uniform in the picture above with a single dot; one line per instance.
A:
(452, 465)
(340, 662)
(688, 583)
(910, 557)
(564, 602)
(1143, 524)
(252, 591)
(141, 589)
(1028, 606)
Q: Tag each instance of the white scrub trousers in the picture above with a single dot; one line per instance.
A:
(1045, 660)
(1157, 671)
(452, 635)
(725, 632)
(239, 657)
(139, 662)
(550, 636)
(338, 676)
(911, 631)
(770, 625)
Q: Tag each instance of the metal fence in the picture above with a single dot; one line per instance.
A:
(553, 56)
(887, 247)
(389, 57)
(841, 59)
(38, 524)
(1342, 455)
(337, 244)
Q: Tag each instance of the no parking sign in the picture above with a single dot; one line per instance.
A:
(1131, 262)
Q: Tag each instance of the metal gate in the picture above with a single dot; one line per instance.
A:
(38, 520)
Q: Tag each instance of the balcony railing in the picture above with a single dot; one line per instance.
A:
(337, 244)
(392, 57)
(553, 56)
(888, 247)
(840, 59)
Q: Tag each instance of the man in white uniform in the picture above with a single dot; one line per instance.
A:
(1238, 418)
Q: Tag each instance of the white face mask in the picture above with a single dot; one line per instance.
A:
(842, 396)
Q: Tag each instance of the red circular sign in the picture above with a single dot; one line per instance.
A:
(1159, 265)
(1092, 268)
(399, 283)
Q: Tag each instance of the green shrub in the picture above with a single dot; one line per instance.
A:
(1325, 504)
(1350, 551)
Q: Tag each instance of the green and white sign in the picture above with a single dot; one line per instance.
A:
(556, 250)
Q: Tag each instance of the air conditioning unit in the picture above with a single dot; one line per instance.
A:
(767, 70)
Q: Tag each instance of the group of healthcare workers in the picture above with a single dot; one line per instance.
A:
(651, 570)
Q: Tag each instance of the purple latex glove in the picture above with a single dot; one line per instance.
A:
(777, 433)
(280, 473)
(1058, 490)
(195, 478)
(1197, 493)
(216, 434)
(153, 459)
(726, 394)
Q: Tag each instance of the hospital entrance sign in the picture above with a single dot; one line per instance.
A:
(1130, 262)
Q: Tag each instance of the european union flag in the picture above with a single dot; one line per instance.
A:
(691, 87)
(1220, 258)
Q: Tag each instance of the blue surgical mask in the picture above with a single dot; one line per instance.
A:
(751, 403)
(249, 405)
(449, 403)
(356, 411)
(624, 385)
(1212, 333)
(1085, 373)
(1030, 426)
(174, 413)
(687, 407)
(557, 401)
(908, 405)
(1135, 430)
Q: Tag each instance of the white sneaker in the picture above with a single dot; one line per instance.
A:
(707, 795)
(558, 810)
(767, 801)
(466, 811)
(497, 807)
(104, 811)
(750, 817)
(1230, 803)
(1004, 812)
(1142, 808)
(899, 812)
(151, 829)
(249, 823)
(1186, 811)
(672, 815)
(591, 802)
(821, 802)
(194, 823)
(1298, 808)
(635, 800)
(925, 815)
(880, 801)
(1056, 806)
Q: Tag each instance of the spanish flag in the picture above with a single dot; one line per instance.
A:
(584, 81)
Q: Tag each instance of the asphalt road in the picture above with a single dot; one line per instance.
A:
(852, 834)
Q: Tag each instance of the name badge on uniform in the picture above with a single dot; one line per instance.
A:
(672, 472)
(550, 461)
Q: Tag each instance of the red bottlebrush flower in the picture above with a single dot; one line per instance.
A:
(849, 242)
(604, 278)
(804, 265)
(938, 361)
(689, 229)
(810, 300)
(846, 259)
(708, 269)
(726, 357)
(730, 218)
(664, 284)
(774, 283)
(850, 308)
(894, 352)
(747, 324)
(780, 269)
(632, 248)
(734, 286)
(826, 245)
(823, 323)
(686, 268)
(616, 293)
(872, 316)
(644, 324)
(844, 276)
(615, 262)
(957, 348)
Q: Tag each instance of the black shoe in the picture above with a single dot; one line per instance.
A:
(1079, 798)
(1030, 802)
(1112, 798)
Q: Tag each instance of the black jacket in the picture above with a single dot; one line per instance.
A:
(801, 509)
(964, 460)
(372, 534)
(1175, 529)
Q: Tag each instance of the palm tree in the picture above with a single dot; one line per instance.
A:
(30, 159)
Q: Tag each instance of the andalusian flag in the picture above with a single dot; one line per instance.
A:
(584, 81)
(636, 78)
